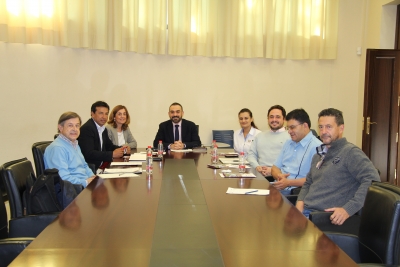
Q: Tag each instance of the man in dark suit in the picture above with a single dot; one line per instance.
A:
(177, 133)
(95, 144)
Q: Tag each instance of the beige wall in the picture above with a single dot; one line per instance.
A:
(38, 83)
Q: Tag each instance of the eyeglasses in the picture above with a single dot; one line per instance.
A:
(291, 127)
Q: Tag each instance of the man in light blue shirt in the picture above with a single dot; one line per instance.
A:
(294, 161)
(65, 154)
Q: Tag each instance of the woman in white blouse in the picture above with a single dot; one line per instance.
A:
(117, 127)
(243, 138)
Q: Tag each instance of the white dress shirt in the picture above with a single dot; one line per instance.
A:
(242, 144)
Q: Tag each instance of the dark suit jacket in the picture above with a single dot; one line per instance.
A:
(190, 135)
(89, 141)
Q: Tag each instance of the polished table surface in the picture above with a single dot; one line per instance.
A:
(181, 216)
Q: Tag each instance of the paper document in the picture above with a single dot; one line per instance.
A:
(231, 161)
(125, 163)
(138, 157)
(249, 191)
(181, 150)
(124, 170)
(117, 175)
(236, 166)
(237, 175)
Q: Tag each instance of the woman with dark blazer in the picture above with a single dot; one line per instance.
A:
(117, 127)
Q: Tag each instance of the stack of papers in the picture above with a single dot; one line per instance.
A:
(120, 173)
(236, 166)
(231, 161)
(181, 150)
(125, 163)
(237, 175)
(124, 170)
(249, 191)
(117, 175)
(138, 157)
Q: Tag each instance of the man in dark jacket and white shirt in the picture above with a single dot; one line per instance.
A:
(95, 144)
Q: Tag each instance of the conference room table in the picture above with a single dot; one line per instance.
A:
(181, 215)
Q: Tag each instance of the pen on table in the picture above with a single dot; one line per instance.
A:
(251, 192)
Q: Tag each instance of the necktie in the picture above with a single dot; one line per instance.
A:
(176, 132)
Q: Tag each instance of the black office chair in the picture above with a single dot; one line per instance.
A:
(9, 247)
(38, 149)
(378, 240)
(223, 136)
(15, 174)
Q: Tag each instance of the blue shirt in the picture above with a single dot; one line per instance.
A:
(295, 158)
(69, 161)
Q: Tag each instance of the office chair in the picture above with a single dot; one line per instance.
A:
(15, 174)
(378, 240)
(10, 248)
(38, 149)
(223, 136)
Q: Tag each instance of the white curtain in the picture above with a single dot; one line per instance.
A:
(291, 29)
(123, 25)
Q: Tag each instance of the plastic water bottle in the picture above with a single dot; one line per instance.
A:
(160, 149)
(214, 154)
(149, 160)
(242, 163)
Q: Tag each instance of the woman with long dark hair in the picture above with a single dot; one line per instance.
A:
(243, 138)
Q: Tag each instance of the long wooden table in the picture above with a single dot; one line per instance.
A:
(181, 216)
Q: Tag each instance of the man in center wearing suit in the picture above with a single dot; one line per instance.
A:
(177, 133)
(95, 144)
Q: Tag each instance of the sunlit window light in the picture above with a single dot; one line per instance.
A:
(13, 7)
(317, 31)
(47, 8)
(34, 8)
(249, 3)
(193, 26)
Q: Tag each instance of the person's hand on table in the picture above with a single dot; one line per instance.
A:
(282, 182)
(266, 171)
(177, 145)
(128, 149)
(118, 153)
(339, 215)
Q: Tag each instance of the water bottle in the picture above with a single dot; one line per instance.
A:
(149, 161)
(214, 154)
(242, 162)
(160, 149)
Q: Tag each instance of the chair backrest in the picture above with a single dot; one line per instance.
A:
(223, 136)
(3, 190)
(38, 153)
(15, 174)
(379, 226)
(3, 219)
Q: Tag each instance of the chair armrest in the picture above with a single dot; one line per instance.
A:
(10, 248)
(295, 191)
(322, 220)
(31, 225)
(292, 199)
(348, 243)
